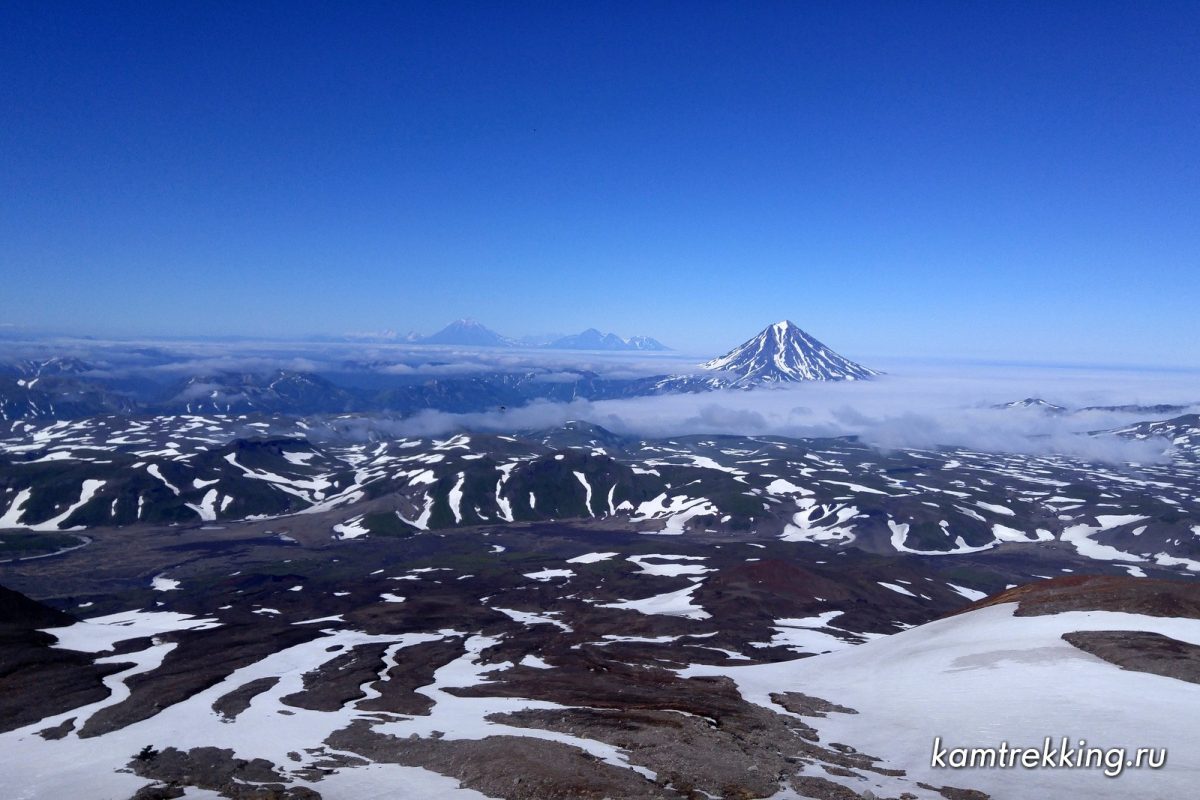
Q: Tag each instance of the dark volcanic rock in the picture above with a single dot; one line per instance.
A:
(157, 791)
(953, 793)
(509, 767)
(823, 789)
(807, 706)
(596, 682)
(18, 612)
(231, 704)
(58, 731)
(414, 668)
(746, 757)
(338, 681)
(1141, 651)
(218, 770)
(38, 680)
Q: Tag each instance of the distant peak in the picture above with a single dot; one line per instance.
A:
(467, 331)
(1033, 402)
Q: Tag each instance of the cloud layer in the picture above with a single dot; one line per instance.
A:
(919, 410)
(914, 406)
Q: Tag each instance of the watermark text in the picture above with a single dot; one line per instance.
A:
(1060, 754)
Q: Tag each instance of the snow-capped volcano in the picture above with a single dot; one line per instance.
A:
(1036, 403)
(783, 352)
(468, 333)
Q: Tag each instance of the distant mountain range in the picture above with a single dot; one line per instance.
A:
(592, 339)
(471, 333)
(780, 353)
(1046, 407)
(63, 388)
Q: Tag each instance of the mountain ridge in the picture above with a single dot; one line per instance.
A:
(468, 332)
(593, 339)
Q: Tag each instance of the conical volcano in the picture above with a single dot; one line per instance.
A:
(782, 353)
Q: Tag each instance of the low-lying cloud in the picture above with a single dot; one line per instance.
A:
(917, 411)
(167, 360)
(913, 406)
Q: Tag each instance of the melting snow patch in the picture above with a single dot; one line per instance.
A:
(614, 639)
(678, 510)
(98, 634)
(162, 583)
(351, 528)
(1164, 560)
(674, 604)
(781, 486)
(970, 594)
(900, 535)
(590, 558)
(1004, 533)
(648, 567)
(804, 640)
(549, 574)
(816, 523)
(534, 617)
(455, 498)
(1116, 520)
(1079, 536)
(587, 489)
(896, 588)
(855, 487)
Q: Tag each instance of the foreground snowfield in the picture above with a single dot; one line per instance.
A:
(986, 677)
(976, 680)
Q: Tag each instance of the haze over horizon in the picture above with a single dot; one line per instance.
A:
(1011, 182)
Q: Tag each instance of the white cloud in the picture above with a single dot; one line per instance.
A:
(936, 407)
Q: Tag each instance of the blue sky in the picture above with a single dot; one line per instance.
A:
(983, 180)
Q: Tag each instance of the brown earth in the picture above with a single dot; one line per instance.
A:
(1154, 597)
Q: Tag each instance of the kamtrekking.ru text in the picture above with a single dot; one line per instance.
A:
(1050, 755)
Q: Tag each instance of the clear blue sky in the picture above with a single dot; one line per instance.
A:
(998, 180)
